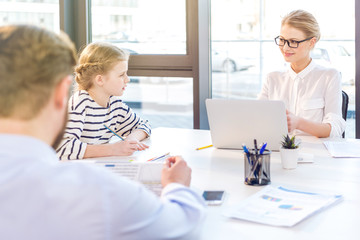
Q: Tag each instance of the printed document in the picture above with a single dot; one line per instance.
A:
(148, 173)
(280, 206)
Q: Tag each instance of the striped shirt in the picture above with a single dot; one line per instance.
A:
(86, 124)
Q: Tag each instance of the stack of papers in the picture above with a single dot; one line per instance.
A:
(348, 148)
(279, 206)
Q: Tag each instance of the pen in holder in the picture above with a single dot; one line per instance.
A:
(257, 167)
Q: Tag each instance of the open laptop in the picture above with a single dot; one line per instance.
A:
(236, 122)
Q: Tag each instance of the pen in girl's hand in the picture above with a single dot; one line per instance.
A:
(113, 132)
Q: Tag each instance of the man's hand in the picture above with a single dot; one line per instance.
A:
(175, 170)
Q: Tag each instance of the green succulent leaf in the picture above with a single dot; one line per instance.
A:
(289, 143)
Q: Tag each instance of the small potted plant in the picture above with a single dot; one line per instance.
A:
(289, 152)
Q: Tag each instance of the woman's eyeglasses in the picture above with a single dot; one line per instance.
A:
(291, 43)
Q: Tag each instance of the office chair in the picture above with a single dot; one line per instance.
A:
(345, 103)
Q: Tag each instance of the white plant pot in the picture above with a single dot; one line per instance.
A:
(289, 157)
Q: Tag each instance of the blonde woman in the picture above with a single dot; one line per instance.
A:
(312, 93)
(101, 76)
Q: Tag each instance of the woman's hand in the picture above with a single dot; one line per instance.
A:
(292, 121)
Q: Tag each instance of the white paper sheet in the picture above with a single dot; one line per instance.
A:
(348, 148)
(280, 206)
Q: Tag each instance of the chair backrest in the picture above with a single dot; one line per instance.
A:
(345, 103)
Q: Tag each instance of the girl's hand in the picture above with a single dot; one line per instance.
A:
(140, 146)
(126, 148)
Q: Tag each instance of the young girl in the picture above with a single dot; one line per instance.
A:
(102, 77)
(312, 93)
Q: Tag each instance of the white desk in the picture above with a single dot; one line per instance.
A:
(224, 169)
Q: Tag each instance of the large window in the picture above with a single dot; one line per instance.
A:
(142, 26)
(156, 33)
(43, 13)
(164, 101)
(243, 48)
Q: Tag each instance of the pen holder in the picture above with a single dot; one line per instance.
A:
(257, 168)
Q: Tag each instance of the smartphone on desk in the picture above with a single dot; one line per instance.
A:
(214, 197)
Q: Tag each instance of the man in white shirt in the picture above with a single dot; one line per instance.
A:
(42, 198)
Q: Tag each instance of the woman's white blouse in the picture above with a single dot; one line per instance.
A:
(314, 94)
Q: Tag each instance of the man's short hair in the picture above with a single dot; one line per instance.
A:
(32, 62)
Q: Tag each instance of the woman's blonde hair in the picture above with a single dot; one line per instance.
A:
(303, 21)
(97, 58)
(32, 62)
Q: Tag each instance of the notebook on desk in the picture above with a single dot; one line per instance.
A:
(236, 122)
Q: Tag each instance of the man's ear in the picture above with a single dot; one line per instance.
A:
(99, 80)
(61, 94)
